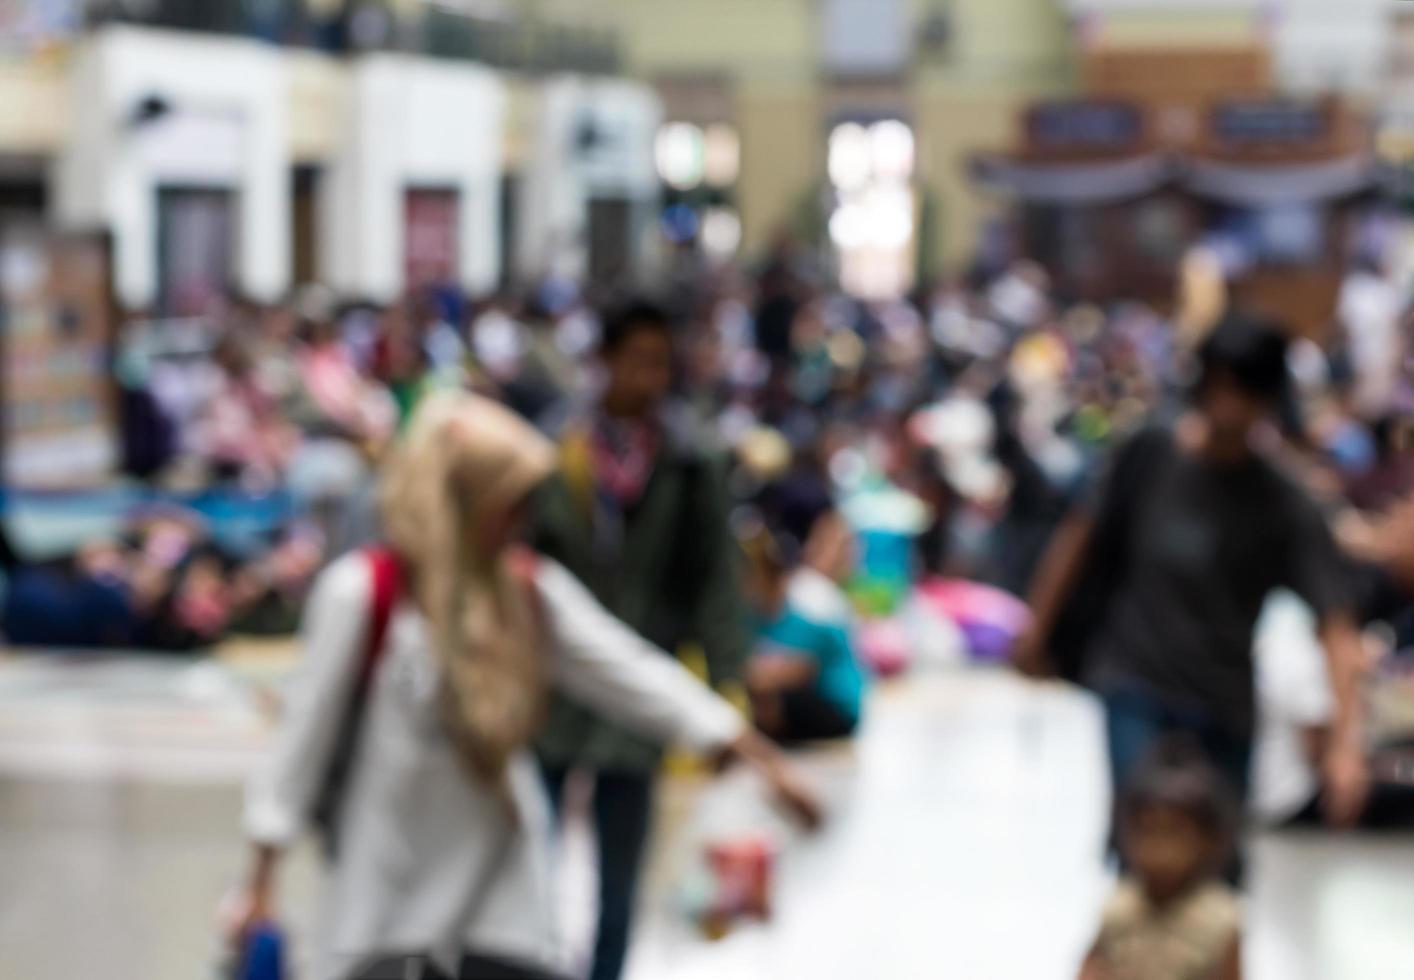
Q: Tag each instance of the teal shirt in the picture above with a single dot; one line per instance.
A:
(840, 680)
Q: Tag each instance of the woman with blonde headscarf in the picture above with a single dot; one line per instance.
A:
(442, 826)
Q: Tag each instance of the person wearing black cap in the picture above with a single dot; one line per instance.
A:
(1170, 561)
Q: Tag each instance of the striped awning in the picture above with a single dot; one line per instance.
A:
(1269, 184)
(1099, 182)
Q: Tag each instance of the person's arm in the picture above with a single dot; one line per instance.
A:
(1385, 540)
(1317, 571)
(1231, 968)
(1345, 767)
(1054, 581)
(830, 549)
(282, 791)
(606, 666)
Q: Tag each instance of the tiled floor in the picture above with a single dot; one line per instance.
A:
(963, 843)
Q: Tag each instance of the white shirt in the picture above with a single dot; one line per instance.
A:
(1293, 695)
(429, 861)
(1369, 307)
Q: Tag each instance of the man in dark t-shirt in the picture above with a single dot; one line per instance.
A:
(1200, 526)
(1207, 545)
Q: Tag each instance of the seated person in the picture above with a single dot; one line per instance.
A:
(240, 431)
(163, 586)
(804, 680)
(80, 603)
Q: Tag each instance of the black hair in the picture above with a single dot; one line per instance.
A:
(633, 318)
(1177, 774)
(1251, 351)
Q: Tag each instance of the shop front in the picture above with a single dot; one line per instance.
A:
(1282, 188)
(1094, 200)
(1275, 189)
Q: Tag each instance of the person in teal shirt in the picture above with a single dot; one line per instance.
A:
(804, 677)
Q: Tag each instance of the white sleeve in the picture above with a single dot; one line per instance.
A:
(283, 788)
(606, 666)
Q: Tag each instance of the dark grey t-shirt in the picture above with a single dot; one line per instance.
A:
(1206, 546)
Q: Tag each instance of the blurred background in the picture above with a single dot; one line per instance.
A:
(930, 258)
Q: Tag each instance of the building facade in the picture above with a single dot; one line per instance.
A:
(370, 147)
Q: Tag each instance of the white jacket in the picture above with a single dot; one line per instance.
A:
(428, 860)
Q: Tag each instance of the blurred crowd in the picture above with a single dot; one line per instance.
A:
(985, 399)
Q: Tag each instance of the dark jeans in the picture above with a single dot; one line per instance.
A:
(623, 809)
(1136, 721)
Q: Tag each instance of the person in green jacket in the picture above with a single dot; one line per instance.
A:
(639, 513)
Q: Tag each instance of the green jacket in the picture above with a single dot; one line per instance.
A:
(672, 575)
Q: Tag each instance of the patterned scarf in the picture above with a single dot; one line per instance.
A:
(623, 454)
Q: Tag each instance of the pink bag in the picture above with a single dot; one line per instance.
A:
(990, 619)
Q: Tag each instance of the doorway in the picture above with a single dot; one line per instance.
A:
(196, 234)
(431, 241)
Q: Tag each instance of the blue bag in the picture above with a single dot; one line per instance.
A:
(263, 955)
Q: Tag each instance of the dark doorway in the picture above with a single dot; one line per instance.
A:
(304, 231)
(510, 216)
(196, 247)
(610, 249)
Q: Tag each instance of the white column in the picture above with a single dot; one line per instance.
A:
(413, 122)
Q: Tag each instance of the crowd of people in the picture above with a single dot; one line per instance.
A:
(755, 474)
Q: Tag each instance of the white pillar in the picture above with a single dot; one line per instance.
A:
(412, 122)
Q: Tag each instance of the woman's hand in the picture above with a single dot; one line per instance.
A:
(786, 783)
(798, 797)
(244, 911)
(253, 903)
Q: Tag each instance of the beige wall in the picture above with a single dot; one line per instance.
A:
(1005, 55)
(744, 38)
(1009, 43)
(1178, 27)
(783, 155)
(33, 110)
(316, 84)
(954, 125)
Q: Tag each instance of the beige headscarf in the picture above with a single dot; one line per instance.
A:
(463, 459)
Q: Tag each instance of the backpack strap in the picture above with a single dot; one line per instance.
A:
(386, 573)
(386, 569)
(525, 568)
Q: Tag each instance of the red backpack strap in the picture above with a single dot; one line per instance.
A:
(525, 566)
(386, 569)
